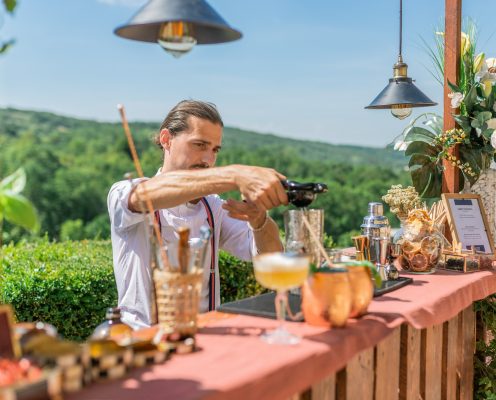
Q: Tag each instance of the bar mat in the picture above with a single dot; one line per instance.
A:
(389, 286)
(263, 304)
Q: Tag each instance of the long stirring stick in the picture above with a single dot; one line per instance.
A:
(148, 202)
(316, 240)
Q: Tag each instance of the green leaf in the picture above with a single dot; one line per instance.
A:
(488, 133)
(421, 148)
(454, 88)
(484, 116)
(6, 45)
(464, 122)
(420, 134)
(18, 210)
(471, 99)
(14, 183)
(10, 5)
(426, 176)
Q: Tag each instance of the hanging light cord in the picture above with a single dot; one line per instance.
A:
(401, 25)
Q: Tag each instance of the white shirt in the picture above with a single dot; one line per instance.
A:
(131, 248)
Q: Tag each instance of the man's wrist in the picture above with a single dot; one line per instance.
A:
(260, 224)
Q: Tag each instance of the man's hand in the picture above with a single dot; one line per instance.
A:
(260, 186)
(246, 212)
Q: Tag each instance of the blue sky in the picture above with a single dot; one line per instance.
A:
(303, 69)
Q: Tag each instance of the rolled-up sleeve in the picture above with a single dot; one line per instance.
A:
(236, 237)
(121, 218)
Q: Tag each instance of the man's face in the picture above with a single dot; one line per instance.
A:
(195, 148)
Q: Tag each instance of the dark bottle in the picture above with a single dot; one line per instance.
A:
(303, 194)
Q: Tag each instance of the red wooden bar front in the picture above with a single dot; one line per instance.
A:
(416, 341)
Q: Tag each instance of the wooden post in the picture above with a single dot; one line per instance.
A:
(452, 45)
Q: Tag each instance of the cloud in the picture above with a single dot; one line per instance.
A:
(125, 3)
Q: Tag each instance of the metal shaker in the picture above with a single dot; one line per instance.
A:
(375, 226)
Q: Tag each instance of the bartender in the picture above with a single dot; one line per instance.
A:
(184, 192)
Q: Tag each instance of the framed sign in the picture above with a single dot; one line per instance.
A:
(8, 345)
(468, 223)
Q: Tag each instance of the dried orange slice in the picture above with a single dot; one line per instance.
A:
(429, 245)
(404, 263)
(410, 248)
(419, 263)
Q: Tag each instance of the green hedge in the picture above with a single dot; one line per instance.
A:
(70, 284)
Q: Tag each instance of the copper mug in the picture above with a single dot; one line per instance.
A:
(362, 288)
(327, 298)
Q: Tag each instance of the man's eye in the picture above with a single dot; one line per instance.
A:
(200, 145)
(216, 150)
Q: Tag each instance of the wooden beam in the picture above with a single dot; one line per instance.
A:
(452, 45)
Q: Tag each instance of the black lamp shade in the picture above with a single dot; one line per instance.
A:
(208, 26)
(401, 91)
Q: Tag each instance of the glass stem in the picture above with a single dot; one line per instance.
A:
(281, 304)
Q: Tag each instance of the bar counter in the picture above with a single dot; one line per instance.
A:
(415, 342)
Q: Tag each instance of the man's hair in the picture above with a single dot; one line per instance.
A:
(177, 119)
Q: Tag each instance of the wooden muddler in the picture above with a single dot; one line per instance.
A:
(139, 170)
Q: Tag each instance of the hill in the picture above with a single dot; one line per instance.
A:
(71, 164)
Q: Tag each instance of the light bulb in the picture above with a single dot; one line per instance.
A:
(176, 38)
(401, 111)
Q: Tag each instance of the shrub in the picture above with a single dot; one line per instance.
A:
(66, 284)
(70, 284)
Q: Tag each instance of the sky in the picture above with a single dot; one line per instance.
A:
(303, 69)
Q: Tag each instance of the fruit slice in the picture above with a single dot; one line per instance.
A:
(419, 263)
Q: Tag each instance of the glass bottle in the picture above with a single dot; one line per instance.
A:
(111, 334)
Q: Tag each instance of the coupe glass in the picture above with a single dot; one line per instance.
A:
(281, 272)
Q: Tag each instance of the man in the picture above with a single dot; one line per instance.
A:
(185, 193)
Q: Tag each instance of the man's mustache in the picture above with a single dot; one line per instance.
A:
(197, 166)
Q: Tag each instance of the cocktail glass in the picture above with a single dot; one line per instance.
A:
(281, 272)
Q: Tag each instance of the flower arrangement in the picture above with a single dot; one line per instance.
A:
(402, 200)
(474, 109)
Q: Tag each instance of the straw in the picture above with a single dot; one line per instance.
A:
(316, 240)
(139, 170)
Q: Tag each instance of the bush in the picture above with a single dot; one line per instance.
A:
(66, 284)
(70, 284)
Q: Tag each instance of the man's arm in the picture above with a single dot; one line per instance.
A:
(259, 185)
(265, 230)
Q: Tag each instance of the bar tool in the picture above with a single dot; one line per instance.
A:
(375, 225)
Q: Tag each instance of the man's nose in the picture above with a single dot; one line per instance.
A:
(209, 158)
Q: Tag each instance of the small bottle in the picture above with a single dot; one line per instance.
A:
(110, 334)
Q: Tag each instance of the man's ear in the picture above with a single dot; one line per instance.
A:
(165, 139)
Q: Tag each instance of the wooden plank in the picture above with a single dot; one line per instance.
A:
(467, 342)
(357, 380)
(451, 351)
(410, 363)
(431, 362)
(452, 44)
(387, 367)
(325, 389)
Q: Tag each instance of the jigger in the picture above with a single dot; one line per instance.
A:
(362, 247)
(381, 247)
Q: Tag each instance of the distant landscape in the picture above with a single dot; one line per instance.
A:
(71, 164)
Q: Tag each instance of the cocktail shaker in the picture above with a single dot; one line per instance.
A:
(375, 226)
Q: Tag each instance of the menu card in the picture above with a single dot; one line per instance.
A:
(469, 224)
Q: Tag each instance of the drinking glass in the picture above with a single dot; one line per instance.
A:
(281, 272)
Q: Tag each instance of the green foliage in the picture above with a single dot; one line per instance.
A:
(14, 207)
(70, 284)
(72, 163)
(9, 6)
(485, 356)
(66, 284)
(237, 280)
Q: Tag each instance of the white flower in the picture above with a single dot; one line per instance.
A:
(491, 63)
(456, 99)
(493, 140)
(478, 131)
(491, 124)
(486, 77)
